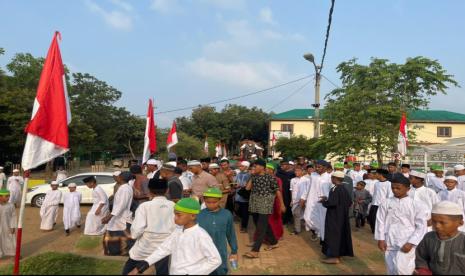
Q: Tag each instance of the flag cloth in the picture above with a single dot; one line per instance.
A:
(403, 136)
(172, 137)
(150, 138)
(47, 132)
(205, 146)
(218, 150)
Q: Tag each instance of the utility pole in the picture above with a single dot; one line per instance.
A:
(316, 105)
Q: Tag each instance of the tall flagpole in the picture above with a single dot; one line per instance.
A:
(19, 233)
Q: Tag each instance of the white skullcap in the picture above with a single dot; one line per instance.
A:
(418, 174)
(338, 174)
(224, 158)
(194, 163)
(54, 183)
(15, 170)
(172, 163)
(71, 185)
(291, 163)
(245, 163)
(116, 173)
(447, 208)
(366, 164)
(451, 177)
(213, 166)
(154, 162)
(254, 155)
(1, 168)
(459, 167)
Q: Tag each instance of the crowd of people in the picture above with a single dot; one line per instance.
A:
(179, 216)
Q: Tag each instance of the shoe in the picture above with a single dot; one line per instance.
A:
(67, 232)
(314, 236)
(331, 261)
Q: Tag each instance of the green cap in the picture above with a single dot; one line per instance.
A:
(436, 167)
(374, 165)
(213, 192)
(339, 165)
(351, 164)
(188, 205)
(4, 192)
(270, 166)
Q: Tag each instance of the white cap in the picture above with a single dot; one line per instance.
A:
(338, 174)
(116, 173)
(1, 168)
(418, 174)
(254, 155)
(451, 177)
(459, 167)
(154, 162)
(213, 166)
(245, 164)
(194, 163)
(291, 163)
(224, 158)
(15, 170)
(172, 163)
(447, 208)
(54, 183)
(71, 185)
(366, 164)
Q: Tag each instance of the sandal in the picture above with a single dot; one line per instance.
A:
(271, 247)
(249, 255)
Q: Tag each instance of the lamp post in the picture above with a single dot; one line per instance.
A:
(316, 105)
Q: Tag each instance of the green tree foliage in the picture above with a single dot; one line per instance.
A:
(365, 113)
(301, 146)
(233, 124)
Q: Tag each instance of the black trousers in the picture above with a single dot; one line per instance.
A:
(263, 230)
(372, 217)
(243, 213)
(161, 267)
(359, 219)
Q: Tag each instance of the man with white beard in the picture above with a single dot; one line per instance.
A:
(99, 210)
(315, 213)
(49, 208)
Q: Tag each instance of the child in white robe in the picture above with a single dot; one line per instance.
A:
(71, 208)
(49, 208)
(191, 248)
(453, 194)
(400, 226)
(420, 192)
(99, 210)
(7, 225)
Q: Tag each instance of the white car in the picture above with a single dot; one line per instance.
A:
(36, 195)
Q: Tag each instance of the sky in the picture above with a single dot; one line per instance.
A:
(184, 53)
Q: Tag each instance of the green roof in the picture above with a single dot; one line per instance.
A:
(415, 116)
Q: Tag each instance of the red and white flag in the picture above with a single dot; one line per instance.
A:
(172, 137)
(273, 139)
(205, 146)
(47, 132)
(150, 138)
(403, 136)
(218, 150)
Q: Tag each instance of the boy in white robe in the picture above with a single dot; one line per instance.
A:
(460, 173)
(191, 248)
(7, 225)
(381, 193)
(419, 192)
(49, 208)
(94, 225)
(453, 194)
(436, 182)
(299, 186)
(71, 208)
(61, 174)
(152, 225)
(14, 186)
(400, 226)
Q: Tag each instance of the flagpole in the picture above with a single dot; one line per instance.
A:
(19, 233)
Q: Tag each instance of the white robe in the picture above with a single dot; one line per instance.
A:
(315, 213)
(299, 187)
(121, 208)
(2, 180)
(427, 196)
(356, 176)
(192, 252)
(436, 183)
(94, 226)
(71, 210)
(14, 186)
(457, 196)
(152, 225)
(7, 221)
(186, 180)
(461, 182)
(401, 221)
(49, 209)
(382, 192)
(61, 175)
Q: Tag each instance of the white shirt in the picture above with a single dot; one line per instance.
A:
(461, 182)
(151, 174)
(436, 183)
(186, 180)
(61, 175)
(192, 252)
(370, 185)
(356, 176)
(52, 198)
(152, 225)
(401, 221)
(425, 195)
(121, 208)
(382, 192)
(455, 195)
(299, 187)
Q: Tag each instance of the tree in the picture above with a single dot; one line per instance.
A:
(365, 113)
(301, 146)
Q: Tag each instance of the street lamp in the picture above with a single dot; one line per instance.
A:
(316, 125)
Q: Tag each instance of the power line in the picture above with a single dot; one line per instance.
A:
(235, 98)
(335, 85)
(289, 96)
(330, 18)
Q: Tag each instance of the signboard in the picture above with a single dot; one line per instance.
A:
(279, 134)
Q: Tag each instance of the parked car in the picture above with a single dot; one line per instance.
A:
(36, 195)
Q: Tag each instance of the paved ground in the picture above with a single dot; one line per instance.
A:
(296, 254)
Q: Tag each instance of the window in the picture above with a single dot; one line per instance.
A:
(77, 180)
(444, 132)
(287, 128)
(104, 179)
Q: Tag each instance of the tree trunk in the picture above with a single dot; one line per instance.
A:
(130, 149)
(379, 154)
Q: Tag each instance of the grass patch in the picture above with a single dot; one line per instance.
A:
(52, 263)
(89, 242)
